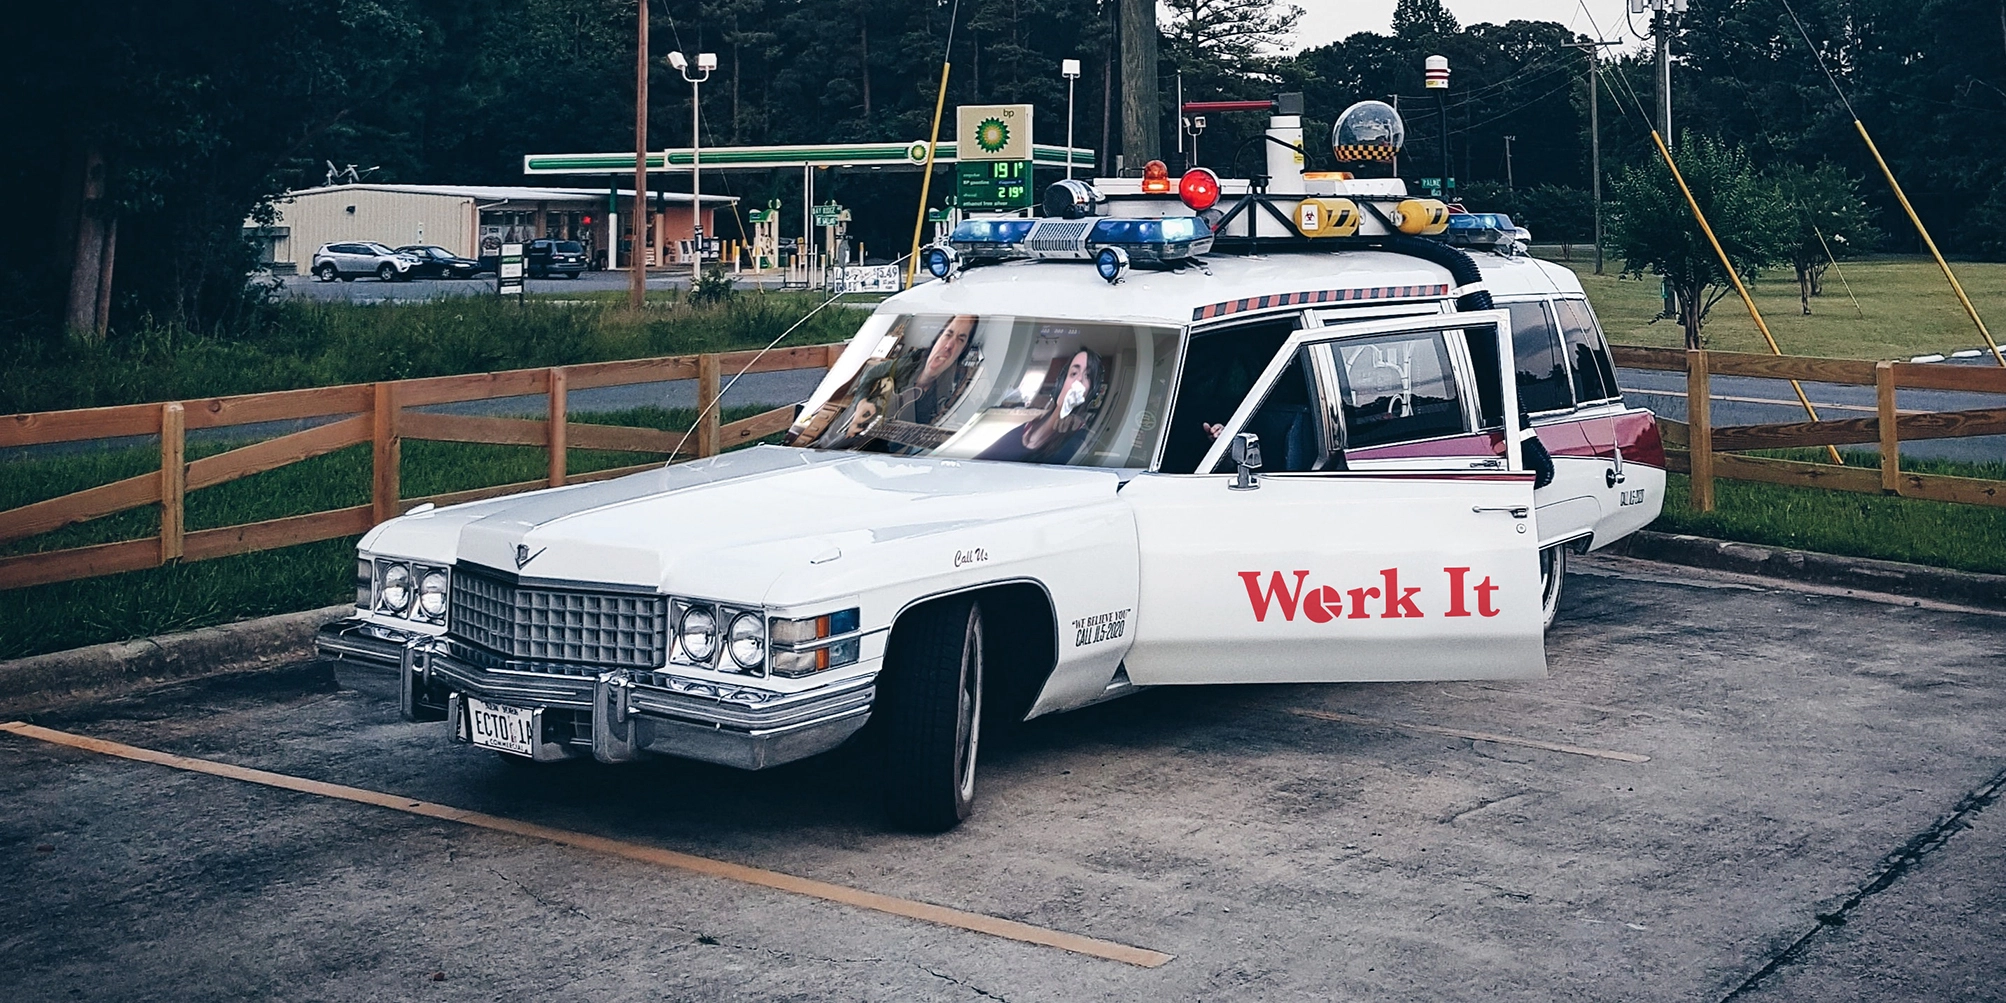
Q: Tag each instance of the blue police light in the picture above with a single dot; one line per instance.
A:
(1480, 229)
(1111, 263)
(1481, 221)
(1172, 238)
(941, 262)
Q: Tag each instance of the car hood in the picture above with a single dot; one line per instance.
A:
(729, 527)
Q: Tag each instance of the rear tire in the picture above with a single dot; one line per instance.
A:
(929, 705)
(1552, 578)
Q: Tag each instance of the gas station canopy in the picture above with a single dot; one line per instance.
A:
(885, 156)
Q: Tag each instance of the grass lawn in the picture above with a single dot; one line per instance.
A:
(1966, 537)
(1908, 309)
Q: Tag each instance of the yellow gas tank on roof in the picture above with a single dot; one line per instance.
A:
(1422, 217)
(1326, 217)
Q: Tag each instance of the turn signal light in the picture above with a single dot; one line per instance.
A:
(1199, 189)
(1155, 177)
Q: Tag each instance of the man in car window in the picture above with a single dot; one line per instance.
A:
(1059, 431)
(925, 396)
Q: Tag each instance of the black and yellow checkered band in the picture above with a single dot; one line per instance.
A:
(1355, 152)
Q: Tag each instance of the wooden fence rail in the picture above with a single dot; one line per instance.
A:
(379, 414)
(1705, 453)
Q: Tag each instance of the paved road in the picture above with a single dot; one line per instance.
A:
(379, 291)
(1795, 740)
(1740, 400)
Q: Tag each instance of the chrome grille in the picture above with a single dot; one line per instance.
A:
(529, 626)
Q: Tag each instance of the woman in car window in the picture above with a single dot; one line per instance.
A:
(1059, 431)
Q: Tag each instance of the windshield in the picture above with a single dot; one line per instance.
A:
(1026, 389)
(379, 248)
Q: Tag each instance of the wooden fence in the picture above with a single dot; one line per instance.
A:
(372, 413)
(1707, 453)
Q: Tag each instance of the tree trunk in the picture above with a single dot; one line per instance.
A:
(1566, 249)
(1140, 142)
(1804, 287)
(91, 253)
(1689, 315)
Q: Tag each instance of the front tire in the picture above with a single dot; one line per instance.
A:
(387, 273)
(1552, 578)
(929, 705)
(327, 273)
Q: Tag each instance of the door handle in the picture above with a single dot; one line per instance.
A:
(1517, 511)
(1614, 476)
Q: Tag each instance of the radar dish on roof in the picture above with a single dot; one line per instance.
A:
(1368, 131)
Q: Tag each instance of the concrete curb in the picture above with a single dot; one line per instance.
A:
(232, 647)
(1966, 587)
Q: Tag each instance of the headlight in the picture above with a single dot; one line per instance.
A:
(748, 640)
(432, 594)
(698, 633)
(396, 594)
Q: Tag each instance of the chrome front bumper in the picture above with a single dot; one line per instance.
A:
(618, 715)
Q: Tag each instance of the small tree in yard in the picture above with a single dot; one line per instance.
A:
(1654, 231)
(1829, 220)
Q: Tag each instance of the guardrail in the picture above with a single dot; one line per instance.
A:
(363, 413)
(1708, 454)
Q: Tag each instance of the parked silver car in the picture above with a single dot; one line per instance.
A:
(348, 260)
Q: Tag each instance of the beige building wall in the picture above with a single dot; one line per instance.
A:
(393, 218)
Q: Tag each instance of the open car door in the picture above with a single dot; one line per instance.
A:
(1319, 573)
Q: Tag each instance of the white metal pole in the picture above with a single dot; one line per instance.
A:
(1069, 125)
(696, 182)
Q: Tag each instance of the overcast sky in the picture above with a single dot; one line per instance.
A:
(1326, 21)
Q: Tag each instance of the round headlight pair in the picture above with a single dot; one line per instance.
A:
(698, 634)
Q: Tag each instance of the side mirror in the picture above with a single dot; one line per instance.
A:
(1246, 453)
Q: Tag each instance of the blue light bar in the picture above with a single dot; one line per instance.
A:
(1481, 221)
(1172, 238)
(992, 231)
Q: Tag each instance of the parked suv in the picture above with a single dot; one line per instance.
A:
(348, 260)
(437, 262)
(554, 257)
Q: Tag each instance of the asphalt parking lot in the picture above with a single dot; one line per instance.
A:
(1770, 794)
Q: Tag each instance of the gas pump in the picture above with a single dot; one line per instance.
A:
(765, 236)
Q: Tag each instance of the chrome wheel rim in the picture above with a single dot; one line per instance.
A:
(968, 717)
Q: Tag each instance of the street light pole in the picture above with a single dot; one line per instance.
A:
(706, 62)
(637, 279)
(1070, 69)
(1594, 50)
(1435, 77)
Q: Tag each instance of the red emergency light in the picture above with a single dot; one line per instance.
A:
(1199, 189)
(1155, 177)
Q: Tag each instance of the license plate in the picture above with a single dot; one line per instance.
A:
(497, 726)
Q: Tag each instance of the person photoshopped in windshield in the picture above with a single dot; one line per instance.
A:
(1058, 431)
(926, 395)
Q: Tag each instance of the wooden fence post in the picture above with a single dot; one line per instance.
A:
(388, 458)
(1699, 423)
(707, 404)
(173, 478)
(1891, 450)
(558, 464)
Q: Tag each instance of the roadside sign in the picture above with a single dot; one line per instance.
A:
(992, 132)
(993, 186)
(759, 215)
(938, 215)
(508, 271)
(869, 279)
(829, 214)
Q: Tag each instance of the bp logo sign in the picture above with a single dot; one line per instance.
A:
(992, 132)
(992, 135)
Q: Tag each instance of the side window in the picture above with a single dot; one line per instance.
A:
(1397, 388)
(1542, 363)
(1220, 369)
(1287, 423)
(1594, 377)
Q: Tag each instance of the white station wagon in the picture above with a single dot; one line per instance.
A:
(1052, 477)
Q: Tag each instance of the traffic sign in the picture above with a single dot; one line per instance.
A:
(829, 214)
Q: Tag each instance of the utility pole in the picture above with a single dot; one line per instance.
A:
(1594, 50)
(1509, 182)
(1435, 77)
(1662, 14)
(637, 277)
(1141, 139)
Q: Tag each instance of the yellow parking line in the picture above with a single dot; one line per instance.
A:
(1530, 743)
(923, 911)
